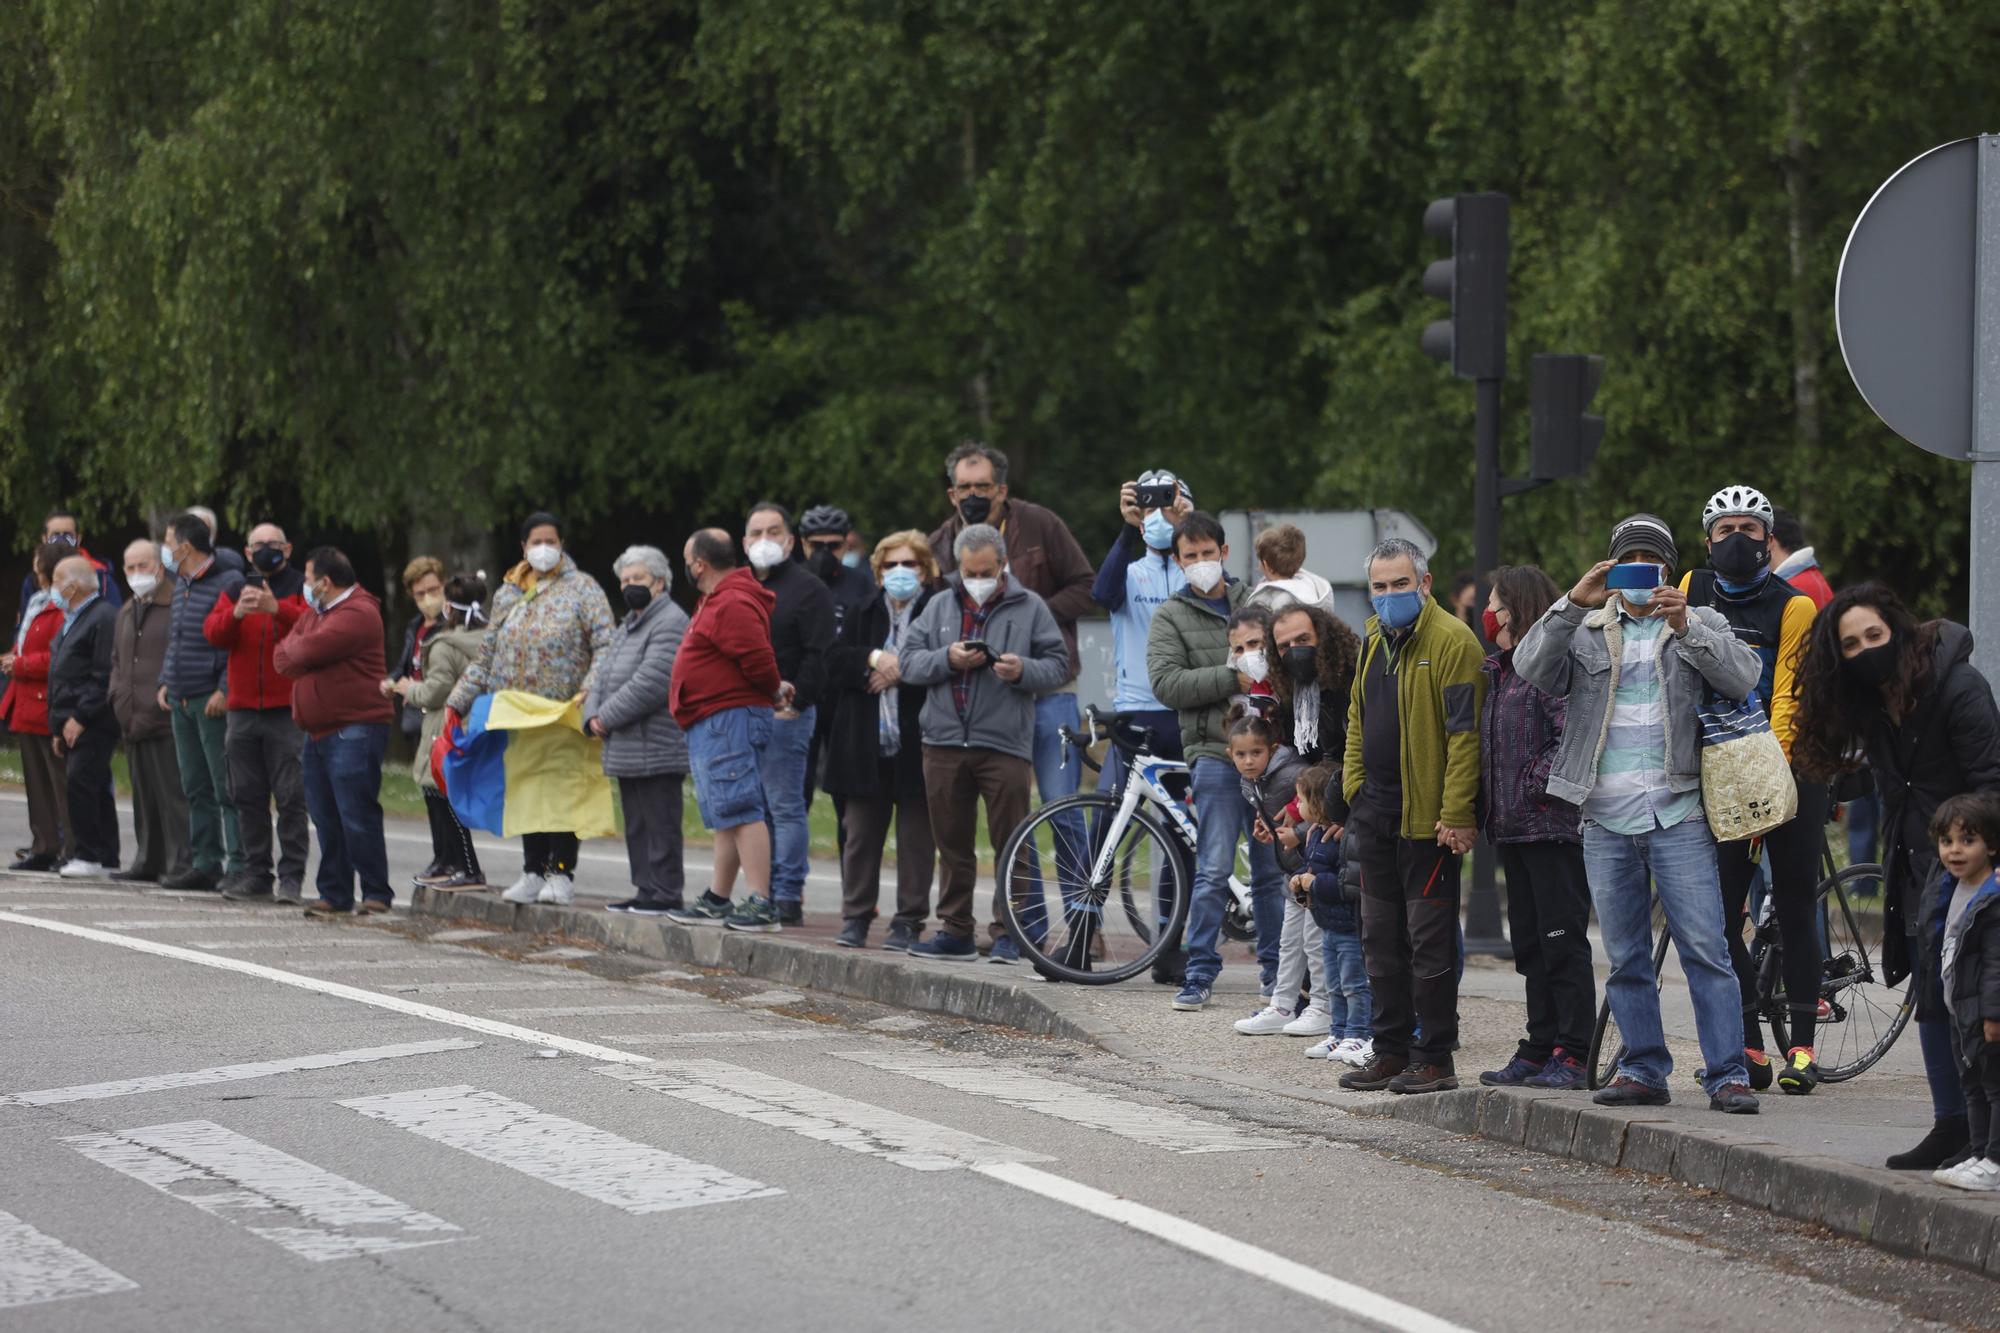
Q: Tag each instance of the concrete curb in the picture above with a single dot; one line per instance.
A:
(1903, 1212)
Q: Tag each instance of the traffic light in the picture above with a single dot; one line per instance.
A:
(1474, 280)
(1562, 437)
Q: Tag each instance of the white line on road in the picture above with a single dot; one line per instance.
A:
(596, 1010)
(743, 1036)
(418, 964)
(1155, 1125)
(183, 923)
(323, 941)
(773, 998)
(556, 955)
(465, 987)
(35, 1268)
(592, 1162)
(1344, 1296)
(312, 1212)
(825, 1116)
(453, 936)
(126, 1087)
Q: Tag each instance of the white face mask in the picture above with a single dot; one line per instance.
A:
(981, 590)
(765, 554)
(1253, 665)
(143, 585)
(1204, 576)
(543, 557)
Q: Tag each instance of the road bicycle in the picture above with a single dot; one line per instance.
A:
(1860, 1015)
(1124, 866)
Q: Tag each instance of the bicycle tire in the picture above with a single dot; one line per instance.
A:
(1603, 1064)
(1832, 894)
(1050, 955)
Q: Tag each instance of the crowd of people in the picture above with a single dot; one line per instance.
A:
(923, 677)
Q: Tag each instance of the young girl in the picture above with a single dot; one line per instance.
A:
(1269, 774)
(1967, 829)
(1349, 1001)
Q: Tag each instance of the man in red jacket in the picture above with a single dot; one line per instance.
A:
(723, 691)
(262, 743)
(333, 653)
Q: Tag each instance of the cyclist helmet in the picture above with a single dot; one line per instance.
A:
(1732, 501)
(824, 521)
(1161, 477)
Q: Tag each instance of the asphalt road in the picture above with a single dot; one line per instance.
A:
(225, 1117)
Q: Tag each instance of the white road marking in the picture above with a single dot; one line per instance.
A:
(773, 997)
(662, 974)
(825, 1116)
(744, 1037)
(462, 987)
(596, 1010)
(35, 1268)
(1275, 1268)
(126, 1087)
(312, 1212)
(418, 964)
(557, 955)
(592, 1162)
(898, 1023)
(182, 923)
(323, 942)
(1157, 1126)
(453, 936)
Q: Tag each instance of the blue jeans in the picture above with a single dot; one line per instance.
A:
(783, 766)
(343, 778)
(1224, 818)
(1681, 862)
(1348, 995)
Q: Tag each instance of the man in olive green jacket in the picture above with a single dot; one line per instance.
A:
(1411, 777)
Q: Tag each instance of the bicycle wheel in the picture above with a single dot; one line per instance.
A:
(1863, 1015)
(1607, 1044)
(1118, 899)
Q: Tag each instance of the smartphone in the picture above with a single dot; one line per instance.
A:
(254, 580)
(1620, 578)
(1158, 495)
(981, 646)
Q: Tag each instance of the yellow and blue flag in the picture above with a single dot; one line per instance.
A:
(520, 763)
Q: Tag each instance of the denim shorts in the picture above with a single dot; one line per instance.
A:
(723, 752)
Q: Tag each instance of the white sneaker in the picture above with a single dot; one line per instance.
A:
(1322, 1050)
(526, 889)
(80, 869)
(1356, 1051)
(1974, 1173)
(1264, 1022)
(557, 889)
(1312, 1021)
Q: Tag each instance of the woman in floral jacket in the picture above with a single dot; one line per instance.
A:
(550, 623)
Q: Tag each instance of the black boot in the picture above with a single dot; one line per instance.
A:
(1948, 1138)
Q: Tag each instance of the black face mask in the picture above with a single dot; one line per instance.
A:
(1740, 558)
(1873, 666)
(1302, 660)
(268, 559)
(637, 596)
(826, 564)
(975, 508)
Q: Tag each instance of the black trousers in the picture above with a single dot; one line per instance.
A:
(93, 808)
(652, 806)
(1409, 940)
(1548, 920)
(451, 843)
(1982, 1098)
(549, 853)
(265, 751)
(1792, 867)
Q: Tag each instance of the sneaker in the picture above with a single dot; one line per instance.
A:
(853, 933)
(1375, 1075)
(1424, 1078)
(902, 936)
(1356, 1051)
(1311, 1022)
(792, 913)
(1323, 1049)
(1947, 1139)
(1004, 951)
(1563, 1073)
(946, 945)
(37, 862)
(1170, 968)
(642, 907)
(707, 910)
(432, 877)
(755, 914)
(81, 869)
(1974, 1173)
(1628, 1091)
(458, 882)
(1266, 1022)
(1801, 1074)
(1760, 1069)
(1192, 996)
(1733, 1099)
(557, 889)
(526, 889)
(289, 893)
(1514, 1073)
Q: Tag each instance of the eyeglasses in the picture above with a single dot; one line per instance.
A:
(832, 544)
(902, 564)
(965, 488)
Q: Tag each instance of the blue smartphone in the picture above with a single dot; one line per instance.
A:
(1619, 578)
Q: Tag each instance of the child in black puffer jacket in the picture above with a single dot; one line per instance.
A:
(1967, 829)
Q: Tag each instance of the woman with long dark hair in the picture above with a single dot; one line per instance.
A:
(1312, 655)
(1875, 683)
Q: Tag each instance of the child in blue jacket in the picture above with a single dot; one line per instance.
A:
(1350, 1038)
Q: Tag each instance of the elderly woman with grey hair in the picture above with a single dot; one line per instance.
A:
(643, 748)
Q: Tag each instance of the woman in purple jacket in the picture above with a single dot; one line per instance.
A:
(1541, 847)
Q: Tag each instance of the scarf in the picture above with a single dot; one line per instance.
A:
(1305, 719)
(889, 703)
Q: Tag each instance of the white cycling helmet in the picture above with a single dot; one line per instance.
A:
(1731, 501)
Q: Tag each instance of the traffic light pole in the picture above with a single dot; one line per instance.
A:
(1483, 934)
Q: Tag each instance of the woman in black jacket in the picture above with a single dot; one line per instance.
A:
(874, 748)
(1312, 655)
(1874, 682)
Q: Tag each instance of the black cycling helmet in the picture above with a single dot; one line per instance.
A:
(824, 521)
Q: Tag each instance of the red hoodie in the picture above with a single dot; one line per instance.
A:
(336, 663)
(725, 659)
(252, 643)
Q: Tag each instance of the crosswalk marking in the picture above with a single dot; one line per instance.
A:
(746, 1035)
(203, 923)
(126, 1087)
(466, 987)
(592, 1162)
(324, 941)
(559, 955)
(312, 1212)
(598, 1010)
(1158, 1126)
(35, 1268)
(827, 1117)
(423, 963)
(773, 997)
(453, 936)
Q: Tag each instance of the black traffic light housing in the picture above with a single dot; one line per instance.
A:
(1562, 437)
(1474, 280)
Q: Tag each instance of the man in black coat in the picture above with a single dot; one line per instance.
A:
(82, 724)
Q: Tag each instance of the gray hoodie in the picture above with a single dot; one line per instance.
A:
(999, 715)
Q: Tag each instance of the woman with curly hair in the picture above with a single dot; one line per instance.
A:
(1312, 655)
(1875, 683)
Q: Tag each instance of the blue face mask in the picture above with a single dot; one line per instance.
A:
(901, 584)
(1638, 596)
(1158, 530)
(167, 558)
(1398, 610)
(852, 560)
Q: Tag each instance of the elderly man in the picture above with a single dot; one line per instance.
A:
(984, 649)
(194, 680)
(159, 808)
(82, 724)
(261, 742)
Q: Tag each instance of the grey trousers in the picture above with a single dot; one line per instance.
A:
(159, 809)
(866, 821)
(264, 748)
(652, 806)
(49, 831)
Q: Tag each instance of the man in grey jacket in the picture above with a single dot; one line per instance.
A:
(1634, 666)
(983, 649)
